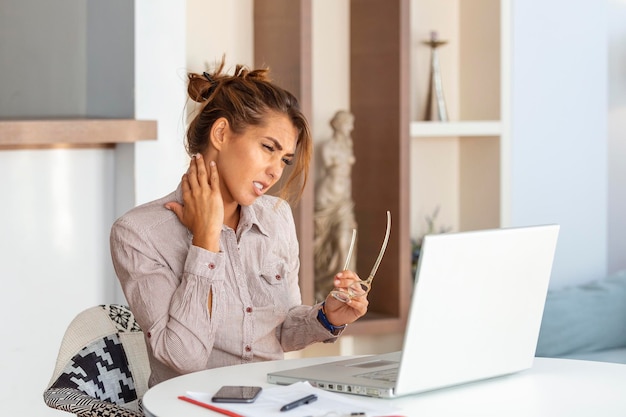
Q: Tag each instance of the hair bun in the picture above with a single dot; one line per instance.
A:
(201, 87)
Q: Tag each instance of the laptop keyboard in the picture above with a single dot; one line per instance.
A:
(389, 375)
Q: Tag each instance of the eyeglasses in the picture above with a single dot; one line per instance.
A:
(361, 288)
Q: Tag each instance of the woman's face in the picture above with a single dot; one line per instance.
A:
(251, 163)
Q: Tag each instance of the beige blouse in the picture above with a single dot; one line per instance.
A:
(256, 312)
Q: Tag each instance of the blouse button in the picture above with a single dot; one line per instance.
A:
(248, 348)
(149, 335)
(248, 309)
(278, 277)
(211, 265)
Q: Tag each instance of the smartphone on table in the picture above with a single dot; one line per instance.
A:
(236, 394)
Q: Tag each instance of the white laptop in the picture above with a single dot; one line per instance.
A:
(475, 313)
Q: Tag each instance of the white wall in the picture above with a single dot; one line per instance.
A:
(160, 94)
(216, 28)
(56, 211)
(331, 63)
(559, 129)
(617, 135)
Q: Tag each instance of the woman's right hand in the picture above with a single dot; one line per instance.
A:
(202, 211)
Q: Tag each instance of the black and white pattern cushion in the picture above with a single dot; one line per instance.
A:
(100, 370)
(93, 376)
(79, 403)
(122, 317)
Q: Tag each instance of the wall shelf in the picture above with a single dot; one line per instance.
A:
(460, 166)
(456, 129)
(52, 133)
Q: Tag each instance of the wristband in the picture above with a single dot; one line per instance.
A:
(321, 317)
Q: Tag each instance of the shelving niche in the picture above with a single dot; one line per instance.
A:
(457, 167)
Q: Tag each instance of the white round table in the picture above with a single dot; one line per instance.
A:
(552, 387)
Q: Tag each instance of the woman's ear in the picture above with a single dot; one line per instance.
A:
(218, 133)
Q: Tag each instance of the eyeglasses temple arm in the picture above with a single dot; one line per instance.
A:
(347, 264)
(383, 248)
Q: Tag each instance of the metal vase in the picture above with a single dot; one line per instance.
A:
(435, 102)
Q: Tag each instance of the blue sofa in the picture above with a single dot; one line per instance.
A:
(586, 321)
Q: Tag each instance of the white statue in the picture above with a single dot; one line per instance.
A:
(334, 208)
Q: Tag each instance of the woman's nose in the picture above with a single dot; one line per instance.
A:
(275, 170)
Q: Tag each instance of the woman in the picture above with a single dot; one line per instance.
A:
(211, 270)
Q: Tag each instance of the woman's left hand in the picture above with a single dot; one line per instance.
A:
(338, 312)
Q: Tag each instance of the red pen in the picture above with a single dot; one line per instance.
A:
(210, 407)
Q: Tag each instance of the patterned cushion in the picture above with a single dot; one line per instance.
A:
(102, 368)
(81, 404)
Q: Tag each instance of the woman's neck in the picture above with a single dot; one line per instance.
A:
(231, 217)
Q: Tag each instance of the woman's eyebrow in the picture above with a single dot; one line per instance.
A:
(278, 145)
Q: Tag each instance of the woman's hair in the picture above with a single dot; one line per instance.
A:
(245, 99)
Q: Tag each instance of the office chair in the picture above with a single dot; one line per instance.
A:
(102, 368)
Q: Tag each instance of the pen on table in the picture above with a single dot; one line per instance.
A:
(297, 403)
(351, 414)
(210, 407)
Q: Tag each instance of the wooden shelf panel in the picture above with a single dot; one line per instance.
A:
(376, 323)
(379, 100)
(15, 134)
(282, 42)
(454, 129)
